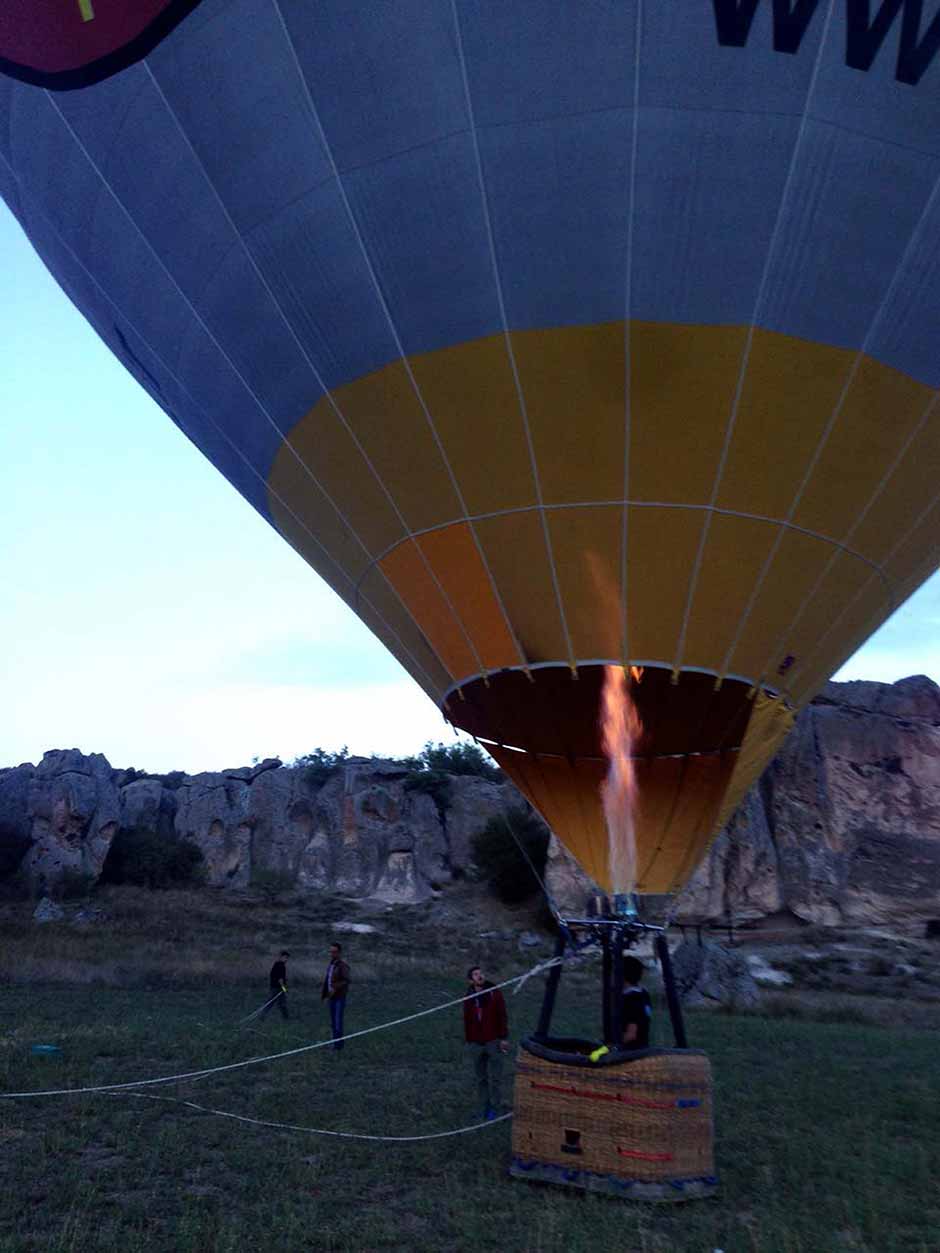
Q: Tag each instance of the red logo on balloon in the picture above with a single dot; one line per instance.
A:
(64, 44)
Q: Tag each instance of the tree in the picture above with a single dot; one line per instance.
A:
(504, 849)
(151, 860)
(319, 765)
(457, 758)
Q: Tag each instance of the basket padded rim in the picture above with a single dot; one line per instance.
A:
(549, 1051)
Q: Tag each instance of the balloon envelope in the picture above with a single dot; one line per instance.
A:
(551, 335)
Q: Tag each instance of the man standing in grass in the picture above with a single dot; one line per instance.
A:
(277, 981)
(486, 1032)
(335, 987)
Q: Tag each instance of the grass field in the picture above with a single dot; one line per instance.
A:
(827, 1133)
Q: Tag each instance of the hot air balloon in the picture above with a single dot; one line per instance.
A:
(552, 335)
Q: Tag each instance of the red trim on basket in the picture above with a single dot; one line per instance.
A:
(646, 1157)
(603, 1096)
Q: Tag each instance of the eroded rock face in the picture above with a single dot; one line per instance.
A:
(566, 882)
(212, 812)
(399, 883)
(853, 805)
(473, 802)
(843, 827)
(740, 876)
(709, 976)
(145, 804)
(73, 814)
(48, 911)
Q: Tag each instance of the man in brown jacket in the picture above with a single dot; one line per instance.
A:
(335, 987)
(486, 1032)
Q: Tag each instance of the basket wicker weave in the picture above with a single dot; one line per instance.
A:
(637, 1125)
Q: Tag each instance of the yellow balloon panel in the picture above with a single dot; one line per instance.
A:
(789, 391)
(472, 395)
(678, 808)
(313, 474)
(567, 794)
(661, 549)
(316, 525)
(734, 555)
(516, 551)
(389, 418)
(573, 381)
(454, 555)
(817, 631)
(409, 572)
(770, 723)
(869, 429)
(905, 494)
(588, 549)
(764, 642)
(682, 388)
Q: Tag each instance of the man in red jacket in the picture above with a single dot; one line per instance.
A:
(486, 1031)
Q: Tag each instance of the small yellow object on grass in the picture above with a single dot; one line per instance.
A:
(599, 1053)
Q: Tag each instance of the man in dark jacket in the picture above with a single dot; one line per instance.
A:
(486, 1032)
(335, 987)
(277, 982)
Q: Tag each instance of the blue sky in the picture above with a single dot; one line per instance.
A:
(150, 614)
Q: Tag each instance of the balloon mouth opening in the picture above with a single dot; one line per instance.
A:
(684, 754)
(548, 715)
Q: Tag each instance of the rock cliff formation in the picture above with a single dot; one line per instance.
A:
(844, 826)
(368, 829)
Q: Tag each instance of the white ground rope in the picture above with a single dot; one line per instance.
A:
(259, 1010)
(540, 970)
(316, 1131)
(270, 1057)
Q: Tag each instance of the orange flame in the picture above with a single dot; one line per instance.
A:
(621, 729)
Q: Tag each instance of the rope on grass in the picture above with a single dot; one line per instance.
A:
(316, 1131)
(260, 1010)
(270, 1057)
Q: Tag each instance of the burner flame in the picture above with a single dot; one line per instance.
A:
(621, 730)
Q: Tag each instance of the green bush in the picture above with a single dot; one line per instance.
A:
(319, 765)
(131, 774)
(13, 846)
(457, 758)
(153, 861)
(271, 883)
(497, 853)
(434, 783)
(75, 885)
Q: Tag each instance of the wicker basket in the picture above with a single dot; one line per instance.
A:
(638, 1125)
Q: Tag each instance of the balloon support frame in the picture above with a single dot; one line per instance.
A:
(630, 1123)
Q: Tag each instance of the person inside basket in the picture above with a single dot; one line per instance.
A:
(486, 1032)
(637, 1006)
